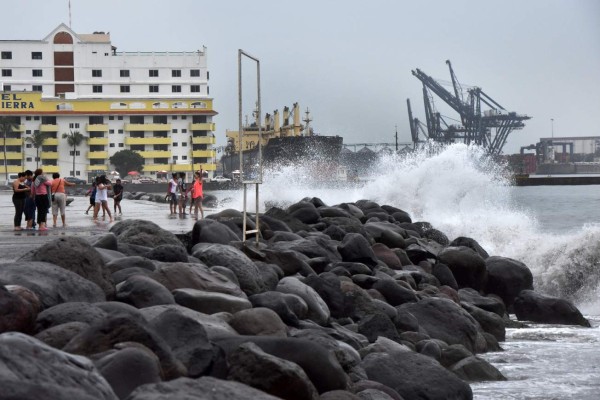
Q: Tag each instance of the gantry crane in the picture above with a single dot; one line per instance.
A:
(488, 128)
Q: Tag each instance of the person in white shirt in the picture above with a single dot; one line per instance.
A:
(172, 194)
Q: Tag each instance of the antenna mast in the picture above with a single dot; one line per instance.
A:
(308, 121)
(70, 15)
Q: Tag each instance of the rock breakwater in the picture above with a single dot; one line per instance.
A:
(349, 301)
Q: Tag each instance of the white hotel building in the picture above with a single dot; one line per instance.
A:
(155, 103)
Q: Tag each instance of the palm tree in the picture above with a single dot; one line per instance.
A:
(37, 140)
(74, 138)
(7, 125)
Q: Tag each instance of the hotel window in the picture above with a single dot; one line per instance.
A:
(7, 88)
(184, 131)
(120, 118)
(176, 88)
(176, 73)
(184, 144)
(175, 144)
(153, 73)
(124, 73)
(7, 55)
(111, 131)
(7, 72)
(120, 130)
(174, 130)
(36, 72)
(97, 73)
(175, 158)
(36, 88)
(207, 75)
(112, 145)
(74, 125)
(97, 88)
(153, 88)
(195, 88)
(36, 55)
(125, 88)
(184, 157)
(120, 144)
(194, 72)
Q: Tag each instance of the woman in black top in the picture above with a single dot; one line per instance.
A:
(20, 191)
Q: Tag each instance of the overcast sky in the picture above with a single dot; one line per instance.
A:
(350, 61)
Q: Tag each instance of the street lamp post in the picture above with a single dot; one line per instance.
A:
(552, 127)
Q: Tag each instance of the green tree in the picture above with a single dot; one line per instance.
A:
(7, 126)
(37, 140)
(127, 160)
(74, 139)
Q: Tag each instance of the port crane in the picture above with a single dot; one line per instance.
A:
(488, 128)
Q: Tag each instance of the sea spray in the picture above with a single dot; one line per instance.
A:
(462, 192)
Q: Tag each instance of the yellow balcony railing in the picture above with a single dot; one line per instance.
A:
(13, 155)
(49, 169)
(13, 169)
(20, 128)
(97, 154)
(207, 167)
(98, 141)
(50, 142)
(49, 155)
(204, 140)
(155, 154)
(149, 140)
(205, 126)
(48, 128)
(96, 127)
(11, 142)
(96, 167)
(204, 153)
(147, 127)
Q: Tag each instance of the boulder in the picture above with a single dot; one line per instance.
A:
(58, 336)
(487, 303)
(51, 284)
(211, 231)
(475, 369)
(210, 302)
(194, 276)
(445, 320)
(394, 293)
(142, 232)
(507, 278)
(312, 247)
(490, 322)
(466, 265)
(327, 286)
(415, 376)
(205, 388)
(304, 211)
(16, 313)
(32, 370)
(103, 335)
(168, 253)
(444, 275)
(471, 243)
(250, 365)
(290, 261)
(187, 339)
(127, 368)
(290, 308)
(293, 223)
(69, 312)
(130, 262)
(142, 291)
(318, 363)
(229, 257)
(257, 322)
(453, 354)
(388, 256)
(355, 248)
(318, 311)
(75, 254)
(536, 307)
(376, 325)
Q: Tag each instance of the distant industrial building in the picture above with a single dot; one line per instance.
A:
(155, 103)
(563, 155)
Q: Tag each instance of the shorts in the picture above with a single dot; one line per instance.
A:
(59, 203)
(92, 201)
(173, 200)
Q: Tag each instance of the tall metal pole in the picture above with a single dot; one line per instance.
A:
(240, 150)
(552, 125)
(396, 138)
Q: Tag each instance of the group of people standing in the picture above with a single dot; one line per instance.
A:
(35, 192)
(178, 192)
(99, 196)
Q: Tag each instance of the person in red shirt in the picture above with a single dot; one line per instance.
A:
(197, 194)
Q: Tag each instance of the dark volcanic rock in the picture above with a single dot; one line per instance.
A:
(475, 369)
(471, 243)
(356, 248)
(210, 302)
(327, 285)
(76, 255)
(69, 312)
(290, 221)
(102, 336)
(128, 368)
(466, 265)
(142, 232)
(31, 370)
(394, 293)
(229, 257)
(142, 291)
(445, 320)
(444, 275)
(58, 336)
(211, 231)
(507, 278)
(487, 303)
(388, 256)
(318, 311)
(319, 364)
(250, 365)
(490, 322)
(532, 306)
(16, 314)
(52, 284)
(205, 388)
(415, 376)
(258, 321)
(378, 324)
(131, 262)
(305, 212)
(285, 305)
(168, 253)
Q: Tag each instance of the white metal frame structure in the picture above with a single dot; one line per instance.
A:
(258, 179)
